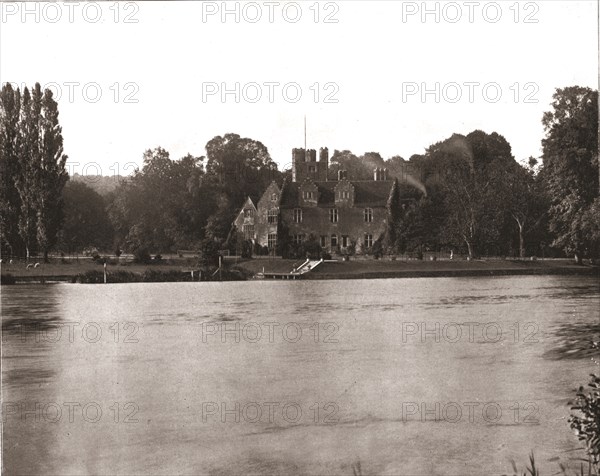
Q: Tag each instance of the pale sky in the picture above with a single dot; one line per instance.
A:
(374, 61)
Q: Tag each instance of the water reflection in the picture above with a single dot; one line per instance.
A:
(152, 356)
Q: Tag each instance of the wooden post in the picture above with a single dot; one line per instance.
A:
(105, 273)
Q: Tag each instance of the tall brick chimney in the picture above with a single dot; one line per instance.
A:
(324, 159)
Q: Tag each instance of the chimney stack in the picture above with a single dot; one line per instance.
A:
(324, 158)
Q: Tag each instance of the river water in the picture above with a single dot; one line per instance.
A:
(450, 376)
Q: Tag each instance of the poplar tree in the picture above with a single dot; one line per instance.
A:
(26, 178)
(10, 203)
(33, 169)
(51, 175)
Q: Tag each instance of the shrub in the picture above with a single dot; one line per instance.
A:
(377, 249)
(141, 255)
(312, 247)
(170, 276)
(587, 425)
(89, 277)
(123, 277)
(210, 251)
(247, 249)
(97, 277)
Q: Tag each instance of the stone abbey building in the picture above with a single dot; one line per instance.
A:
(341, 214)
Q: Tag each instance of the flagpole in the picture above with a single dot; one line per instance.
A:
(304, 131)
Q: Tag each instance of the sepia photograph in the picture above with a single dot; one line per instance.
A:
(300, 238)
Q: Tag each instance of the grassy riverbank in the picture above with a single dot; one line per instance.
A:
(175, 270)
(89, 271)
(370, 269)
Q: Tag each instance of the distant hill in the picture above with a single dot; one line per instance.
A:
(100, 183)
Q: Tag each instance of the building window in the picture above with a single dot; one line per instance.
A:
(323, 241)
(272, 216)
(333, 215)
(298, 239)
(308, 195)
(272, 240)
(344, 194)
(368, 215)
(248, 212)
(333, 241)
(248, 232)
(297, 215)
(312, 169)
(273, 197)
(345, 241)
(368, 240)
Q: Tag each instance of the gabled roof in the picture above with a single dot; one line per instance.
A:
(367, 193)
(247, 203)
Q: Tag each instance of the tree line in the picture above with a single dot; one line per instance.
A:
(32, 170)
(466, 193)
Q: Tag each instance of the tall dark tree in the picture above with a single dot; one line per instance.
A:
(160, 208)
(241, 167)
(236, 168)
(86, 221)
(570, 170)
(10, 202)
(524, 200)
(52, 175)
(463, 172)
(33, 169)
(27, 179)
(356, 168)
